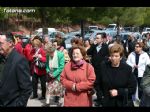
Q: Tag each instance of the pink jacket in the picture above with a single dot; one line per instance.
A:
(80, 97)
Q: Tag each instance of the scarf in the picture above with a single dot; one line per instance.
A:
(76, 65)
(53, 62)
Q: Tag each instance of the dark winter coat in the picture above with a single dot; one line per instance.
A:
(119, 78)
(98, 57)
(15, 83)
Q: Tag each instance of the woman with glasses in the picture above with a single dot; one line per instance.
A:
(138, 59)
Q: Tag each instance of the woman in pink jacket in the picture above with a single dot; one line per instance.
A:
(78, 78)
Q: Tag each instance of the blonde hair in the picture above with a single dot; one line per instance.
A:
(37, 42)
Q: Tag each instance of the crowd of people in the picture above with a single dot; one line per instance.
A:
(113, 69)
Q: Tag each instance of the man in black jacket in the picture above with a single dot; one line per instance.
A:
(15, 83)
(98, 52)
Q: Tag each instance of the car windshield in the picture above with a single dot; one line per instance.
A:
(93, 27)
(110, 26)
(89, 33)
(127, 29)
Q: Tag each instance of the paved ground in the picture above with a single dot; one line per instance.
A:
(39, 103)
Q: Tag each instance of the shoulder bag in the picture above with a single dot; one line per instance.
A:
(38, 63)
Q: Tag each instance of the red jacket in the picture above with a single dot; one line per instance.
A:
(27, 52)
(19, 47)
(43, 59)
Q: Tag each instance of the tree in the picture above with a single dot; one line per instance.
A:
(147, 16)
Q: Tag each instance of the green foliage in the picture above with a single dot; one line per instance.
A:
(73, 15)
(3, 15)
(106, 20)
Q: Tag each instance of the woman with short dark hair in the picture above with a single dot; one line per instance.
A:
(115, 80)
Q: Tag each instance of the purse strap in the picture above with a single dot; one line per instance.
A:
(37, 51)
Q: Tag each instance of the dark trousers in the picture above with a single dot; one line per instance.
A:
(99, 95)
(97, 88)
(56, 99)
(139, 87)
(35, 79)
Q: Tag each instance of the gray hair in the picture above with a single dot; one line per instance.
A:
(49, 47)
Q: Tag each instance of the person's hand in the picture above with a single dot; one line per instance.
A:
(74, 87)
(51, 75)
(35, 56)
(39, 56)
(135, 66)
(113, 92)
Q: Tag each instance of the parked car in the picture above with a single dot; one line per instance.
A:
(112, 27)
(92, 34)
(136, 35)
(127, 29)
(71, 34)
(53, 34)
(93, 27)
(124, 36)
(89, 33)
(39, 31)
(145, 31)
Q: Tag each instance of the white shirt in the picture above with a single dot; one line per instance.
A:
(98, 48)
(143, 61)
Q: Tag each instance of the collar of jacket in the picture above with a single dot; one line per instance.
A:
(135, 53)
(83, 66)
(120, 65)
